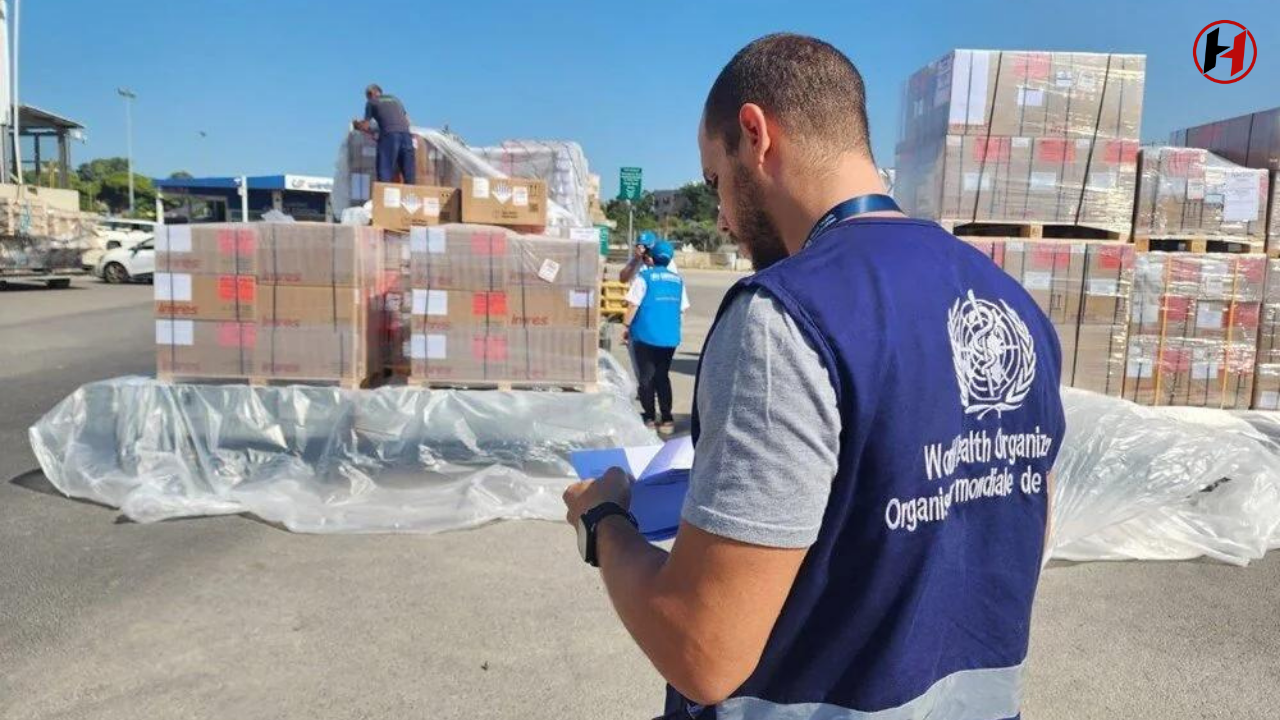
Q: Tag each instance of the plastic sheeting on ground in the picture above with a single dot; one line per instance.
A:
(319, 459)
(1167, 483)
(1130, 483)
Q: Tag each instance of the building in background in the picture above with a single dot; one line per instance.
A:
(217, 199)
(667, 203)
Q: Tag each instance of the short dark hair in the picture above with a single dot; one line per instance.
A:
(808, 85)
(373, 87)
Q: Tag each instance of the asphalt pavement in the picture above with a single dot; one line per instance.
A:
(231, 618)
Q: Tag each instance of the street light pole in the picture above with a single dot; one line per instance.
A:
(129, 96)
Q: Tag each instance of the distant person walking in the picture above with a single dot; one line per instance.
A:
(395, 143)
(656, 301)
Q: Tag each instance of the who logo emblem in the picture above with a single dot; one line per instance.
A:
(994, 355)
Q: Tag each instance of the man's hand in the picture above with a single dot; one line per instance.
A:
(613, 486)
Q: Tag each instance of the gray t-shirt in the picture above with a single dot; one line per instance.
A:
(388, 112)
(769, 430)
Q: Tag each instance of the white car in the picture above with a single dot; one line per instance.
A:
(125, 264)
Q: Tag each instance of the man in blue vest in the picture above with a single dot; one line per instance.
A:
(876, 416)
(656, 301)
(395, 141)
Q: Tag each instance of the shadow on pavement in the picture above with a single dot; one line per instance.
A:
(685, 366)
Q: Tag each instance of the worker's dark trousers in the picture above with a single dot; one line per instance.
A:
(395, 152)
(653, 372)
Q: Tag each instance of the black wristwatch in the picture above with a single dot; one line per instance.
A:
(587, 524)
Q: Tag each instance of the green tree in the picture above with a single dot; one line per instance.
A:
(616, 210)
(181, 175)
(104, 187)
(698, 202)
(701, 234)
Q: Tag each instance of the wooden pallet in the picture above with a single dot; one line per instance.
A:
(502, 386)
(1195, 244)
(261, 381)
(1032, 230)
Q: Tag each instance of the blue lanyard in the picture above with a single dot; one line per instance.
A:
(849, 208)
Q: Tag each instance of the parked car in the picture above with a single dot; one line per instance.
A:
(122, 265)
(107, 234)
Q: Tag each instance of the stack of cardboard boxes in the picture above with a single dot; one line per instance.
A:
(1083, 288)
(491, 306)
(431, 166)
(1252, 141)
(1022, 137)
(1266, 384)
(268, 301)
(1193, 194)
(1194, 327)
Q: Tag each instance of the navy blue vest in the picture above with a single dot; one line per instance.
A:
(917, 593)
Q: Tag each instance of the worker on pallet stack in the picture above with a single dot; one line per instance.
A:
(656, 301)
(875, 418)
(395, 141)
(640, 257)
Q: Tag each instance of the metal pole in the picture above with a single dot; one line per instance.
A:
(17, 142)
(244, 198)
(631, 234)
(128, 131)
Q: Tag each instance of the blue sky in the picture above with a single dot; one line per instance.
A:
(274, 83)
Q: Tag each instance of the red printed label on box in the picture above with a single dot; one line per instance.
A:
(246, 288)
(246, 242)
(1245, 316)
(492, 304)
(489, 348)
(992, 149)
(1111, 258)
(1046, 258)
(1121, 151)
(227, 287)
(233, 334)
(1057, 151)
(484, 243)
(226, 242)
(1032, 66)
(1253, 268)
(1174, 360)
(1175, 308)
(1182, 163)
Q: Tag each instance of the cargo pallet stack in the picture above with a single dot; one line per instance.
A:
(489, 301)
(1023, 144)
(268, 302)
(1149, 264)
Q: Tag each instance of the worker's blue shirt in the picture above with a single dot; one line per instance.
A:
(916, 595)
(657, 320)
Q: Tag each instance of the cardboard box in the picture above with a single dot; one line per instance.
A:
(302, 305)
(399, 207)
(443, 310)
(504, 201)
(204, 348)
(547, 306)
(314, 352)
(220, 249)
(318, 254)
(515, 355)
(205, 297)
(460, 257)
(1192, 193)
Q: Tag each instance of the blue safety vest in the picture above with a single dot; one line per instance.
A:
(915, 600)
(657, 321)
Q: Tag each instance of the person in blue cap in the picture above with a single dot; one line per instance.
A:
(655, 302)
(641, 258)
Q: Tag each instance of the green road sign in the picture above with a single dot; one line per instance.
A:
(629, 185)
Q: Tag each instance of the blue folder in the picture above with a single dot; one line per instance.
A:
(662, 473)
